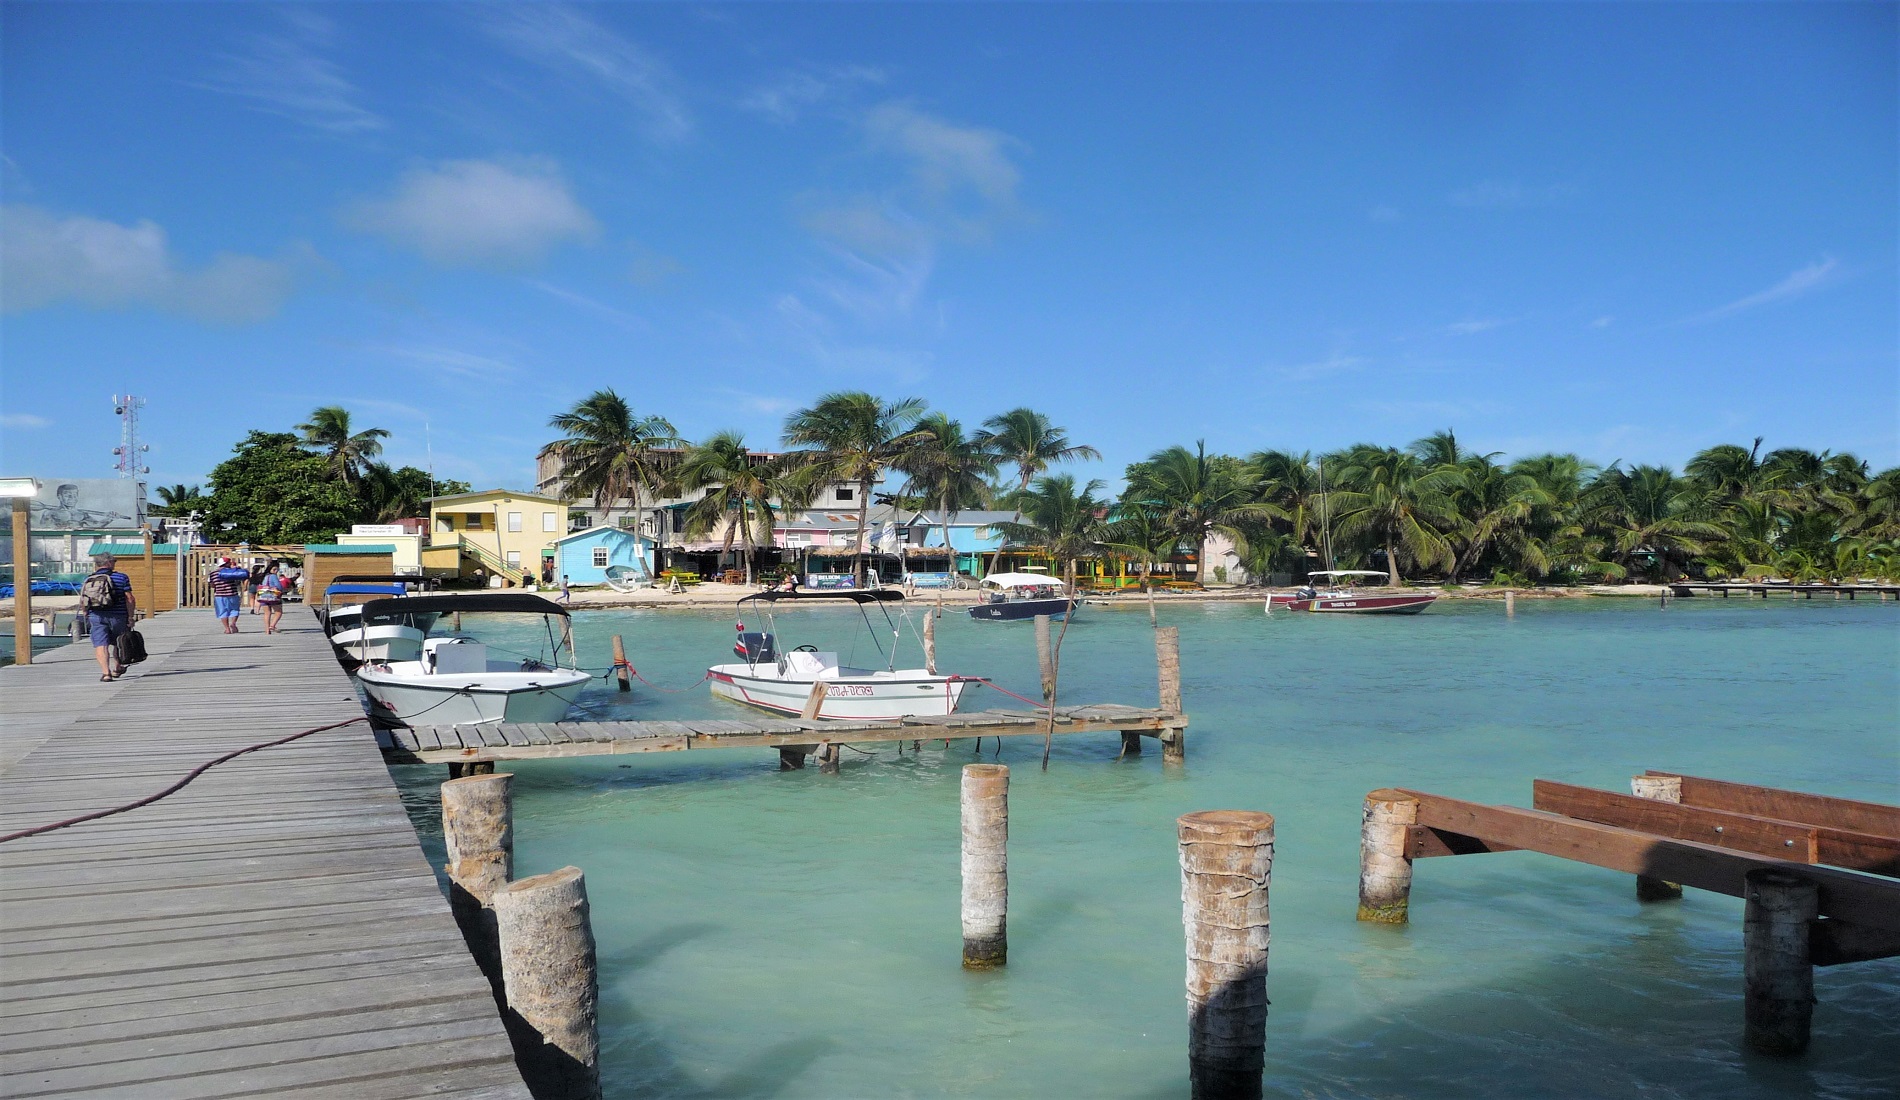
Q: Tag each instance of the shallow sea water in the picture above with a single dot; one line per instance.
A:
(768, 934)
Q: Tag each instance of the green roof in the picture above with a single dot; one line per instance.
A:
(366, 548)
(132, 549)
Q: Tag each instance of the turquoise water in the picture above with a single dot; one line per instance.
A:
(796, 934)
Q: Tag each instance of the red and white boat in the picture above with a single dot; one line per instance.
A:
(1338, 598)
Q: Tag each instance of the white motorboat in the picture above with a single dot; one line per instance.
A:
(1009, 597)
(785, 682)
(454, 681)
(357, 639)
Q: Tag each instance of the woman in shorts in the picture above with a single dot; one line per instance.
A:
(270, 597)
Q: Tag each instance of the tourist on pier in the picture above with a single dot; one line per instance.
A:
(109, 607)
(227, 584)
(270, 597)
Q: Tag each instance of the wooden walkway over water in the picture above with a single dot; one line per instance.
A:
(1762, 590)
(272, 929)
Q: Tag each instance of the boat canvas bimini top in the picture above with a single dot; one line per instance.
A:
(1008, 597)
(784, 681)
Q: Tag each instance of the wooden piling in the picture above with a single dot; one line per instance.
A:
(791, 758)
(1045, 658)
(1661, 788)
(828, 757)
(22, 582)
(1226, 868)
(1778, 978)
(466, 768)
(621, 669)
(814, 701)
(478, 833)
(985, 866)
(549, 971)
(455, 618)
(1510, 603)
(930, 638)
(1168, 667)
(1131, 742)
(1385, 871)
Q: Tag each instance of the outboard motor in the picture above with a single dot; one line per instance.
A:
(756, 648)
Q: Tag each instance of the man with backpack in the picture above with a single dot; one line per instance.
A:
(227, 584)
(106, 598)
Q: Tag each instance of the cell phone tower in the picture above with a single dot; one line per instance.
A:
(130, 453)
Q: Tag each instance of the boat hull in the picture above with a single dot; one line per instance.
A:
(1018, 610)
(1407, 604)
(470, 698)
(366, 644)
(849, 698)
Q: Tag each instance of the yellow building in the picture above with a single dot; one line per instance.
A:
(498, 531)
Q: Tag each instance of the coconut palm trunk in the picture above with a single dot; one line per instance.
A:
(1391, 565)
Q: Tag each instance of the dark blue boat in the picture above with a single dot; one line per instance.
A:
(1008, 597)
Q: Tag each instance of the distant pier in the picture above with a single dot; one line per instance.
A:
(1762, 589)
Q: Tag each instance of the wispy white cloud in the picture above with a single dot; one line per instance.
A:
(951, 163)
(1476, 325)
(1384, 213)
(21, 422)
(1337, 363)
(48, 258)
(1795, 285)
(285, 74)
(478, 213)
(758, 404)
(1513, 195)
(813, 334)
(561, 38)
(599, 309)
(791, 94)
(1604, 321)
(450, 361)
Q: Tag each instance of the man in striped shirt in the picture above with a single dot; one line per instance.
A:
(227, 586)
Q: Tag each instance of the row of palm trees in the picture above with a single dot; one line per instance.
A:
(612, 454)
(1431, 510)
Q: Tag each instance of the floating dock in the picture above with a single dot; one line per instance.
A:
(272, 929)
(1761, 590)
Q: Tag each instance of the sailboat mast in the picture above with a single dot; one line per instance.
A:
(1325, 528)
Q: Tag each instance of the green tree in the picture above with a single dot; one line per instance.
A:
(947, 469)
(390, 494)
(1390, 500)
(1198, 494)
(346, 453)
(1059, 520)
(741, 488)
(610, 453)
(176, 500)
(1498, 507)
(854, 436)
(1290, 484)
(273, 491)
(1031, 442)
(1652, 521)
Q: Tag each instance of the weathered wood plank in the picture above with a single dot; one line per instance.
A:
(1811, 809)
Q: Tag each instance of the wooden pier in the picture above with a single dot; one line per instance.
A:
(1761, 589)
(270, 929)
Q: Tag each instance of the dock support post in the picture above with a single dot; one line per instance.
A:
(1131, 742)
(478, 832)
(22, 583)
(621, 669)
(455, 622)
(548, 967)
(1778, 979)
(985, 866)
(791, 758)
(471, 767)
(1045, 659)
(1385, 871)
(828, 757)
(1661, 788)
(1168, 667)
(1510, 604)
(1226, 868)
(930, 637)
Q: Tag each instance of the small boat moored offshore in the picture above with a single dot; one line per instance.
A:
(784, 682)
(1341, 599)
(454, 683)
(1008, 597)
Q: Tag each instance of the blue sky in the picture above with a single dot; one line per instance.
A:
(1623, 230)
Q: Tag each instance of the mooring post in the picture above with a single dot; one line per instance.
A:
(1778, 978)
(467, 768)
(930, 637)
(1510, 603)
(478, 832)
(621, 669)
(814, 701)
(791, 758)
(1226, 868)
(22, 582)
(1045, 659)
(1385, 871)
(985, 866)
(1131, 742)
(548, 969)
(1168, 668)
(1661, 788)
(455, 622)
(828, 755)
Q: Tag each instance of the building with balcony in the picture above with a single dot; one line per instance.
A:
(494, 532)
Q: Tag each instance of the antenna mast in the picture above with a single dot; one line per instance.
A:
(129, 455)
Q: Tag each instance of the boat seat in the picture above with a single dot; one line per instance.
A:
(755, 647)
(463, 657)
(810, 664)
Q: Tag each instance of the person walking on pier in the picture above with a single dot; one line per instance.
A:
(227, 582)
(270, 597)
(106, 596)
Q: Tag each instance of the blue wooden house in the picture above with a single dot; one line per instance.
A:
(585, 556)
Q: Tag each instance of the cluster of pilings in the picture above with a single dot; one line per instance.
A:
(531, 937)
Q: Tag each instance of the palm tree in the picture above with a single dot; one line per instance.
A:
(1651, 519)
(1138, 529)
(177, 499)
(328, 433)
(1498, 507)
(946, 468)
(1060, 521)
(1290, 483)
(610, 453)
(742, 488)
(854, 436)
(1029, 440)
(1198, 495)
(1391, 500)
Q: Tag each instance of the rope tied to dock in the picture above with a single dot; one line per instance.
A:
(635, 673)
(181, 784)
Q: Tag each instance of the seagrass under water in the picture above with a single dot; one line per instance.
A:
(796, 934)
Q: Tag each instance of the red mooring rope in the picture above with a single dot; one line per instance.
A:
(178, 786)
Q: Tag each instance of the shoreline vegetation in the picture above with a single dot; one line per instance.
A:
(1431, 512)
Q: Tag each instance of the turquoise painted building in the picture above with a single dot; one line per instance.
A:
(585, 556)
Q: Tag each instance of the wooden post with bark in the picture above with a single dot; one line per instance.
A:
(1168, 667)
(930, 637)
(549, 972)
(1778, 978)
(1661, 788)
(985, 805)
(1385, 870)
(1045, 659)
(814, 701)
(478, 833)
(622, 670)
(1510, 604)
(22, 581)
(1226, 869)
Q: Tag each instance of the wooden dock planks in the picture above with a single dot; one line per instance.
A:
(272, 928)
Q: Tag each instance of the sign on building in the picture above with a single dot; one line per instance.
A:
(86, 504)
